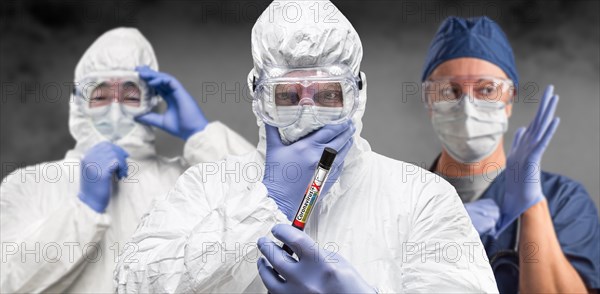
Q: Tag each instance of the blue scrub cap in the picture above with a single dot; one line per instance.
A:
(478, 37)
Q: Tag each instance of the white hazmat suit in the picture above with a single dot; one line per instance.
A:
(51, 240)
(403, 228)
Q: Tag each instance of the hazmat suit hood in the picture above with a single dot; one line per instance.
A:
(118, 49)
(292, 34)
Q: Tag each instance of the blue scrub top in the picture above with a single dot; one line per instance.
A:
(576, 224)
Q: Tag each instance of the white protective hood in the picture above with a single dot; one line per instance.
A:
(286, 35)
(117, 49)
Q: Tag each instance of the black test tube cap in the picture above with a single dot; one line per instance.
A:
(327, 158)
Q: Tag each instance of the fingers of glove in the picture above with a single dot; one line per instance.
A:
(329, 132)
(120, 151)
(471, 209)
(123, 168)
(270, 278)
(281, 261)
(491, 208)
(148, 74)
(163, 85)
(548, 134)
(118, 165)
(109, 157)
(145, 72)
(300, 243)
(518, 137)
(151, 119)
(542, 108)
(99, 148)
(273, 138)
(98, 154)
(342, 139)
(547, 118)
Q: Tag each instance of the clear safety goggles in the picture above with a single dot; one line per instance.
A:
(486, 93)
(96, 94)
(281, 95)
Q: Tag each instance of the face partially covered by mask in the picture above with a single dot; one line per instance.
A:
(110, 58)
(469, 113)
(469, 129)
(112, 99)
(300, 101)
(321, 54)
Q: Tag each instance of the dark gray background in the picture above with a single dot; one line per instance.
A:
(207, 43)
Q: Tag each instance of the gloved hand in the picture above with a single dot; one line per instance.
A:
(317, 270)
(289, 168)
(183, 117)
(484, 215)
(523, 171)
(97, 169)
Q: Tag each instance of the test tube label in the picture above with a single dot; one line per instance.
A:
(310, 198)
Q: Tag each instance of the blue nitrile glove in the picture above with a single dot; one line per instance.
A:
(97, 169)
(523, 170)
(484, 215)
(317, 270)
(183, 117)
(289, 168)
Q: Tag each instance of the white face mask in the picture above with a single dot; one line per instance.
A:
(114, 125)
(306, 124)
(469, 133)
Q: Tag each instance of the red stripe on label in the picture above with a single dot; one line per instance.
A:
(298, 224)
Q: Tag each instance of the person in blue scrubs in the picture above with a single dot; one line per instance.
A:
(540, 230)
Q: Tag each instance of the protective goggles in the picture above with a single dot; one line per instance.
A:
(486, 92)
(281, 95)
(97, 93)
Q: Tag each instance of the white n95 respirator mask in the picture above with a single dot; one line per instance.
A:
(306, 123)
(114, 125)
(469, 129)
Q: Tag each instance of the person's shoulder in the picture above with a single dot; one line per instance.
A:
(414, 176)
(557, 185)
(205, 185)
(240, 167)
(45, 179)
(44, 172)
(391, 163)
(558, 178)
(562, 192)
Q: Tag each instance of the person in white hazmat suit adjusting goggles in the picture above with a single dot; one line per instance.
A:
(379, 225)
(64, 234)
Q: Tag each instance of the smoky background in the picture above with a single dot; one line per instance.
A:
(206, 45)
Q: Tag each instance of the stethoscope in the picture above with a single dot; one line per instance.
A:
(505, 264)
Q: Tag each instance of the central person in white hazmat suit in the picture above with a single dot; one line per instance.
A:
(62, 231)
(391, 226)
